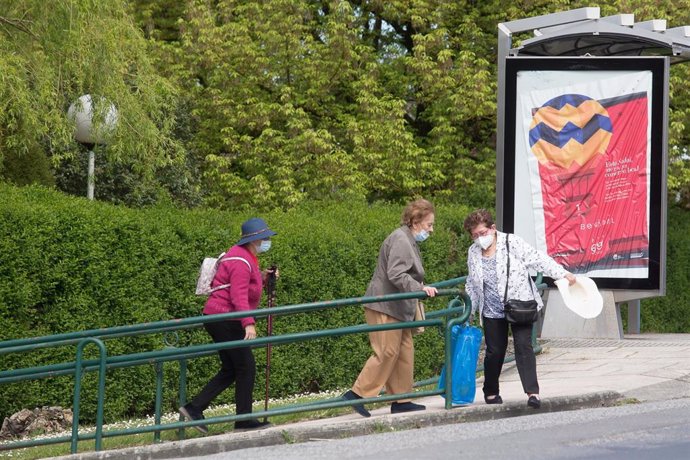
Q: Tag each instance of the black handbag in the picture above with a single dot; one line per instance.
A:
(519, 312)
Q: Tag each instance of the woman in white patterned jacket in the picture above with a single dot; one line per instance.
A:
(486, 284)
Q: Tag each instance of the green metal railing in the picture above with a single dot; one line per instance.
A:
(457, 306)
(457, 312)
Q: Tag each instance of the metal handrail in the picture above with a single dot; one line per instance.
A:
(33, 343)
(197, 350)
(82, 338)
(77, 392)
(457, 312)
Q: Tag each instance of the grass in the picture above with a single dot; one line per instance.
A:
(287, 437)
(382, 428)
(121, 442)
(626, 401)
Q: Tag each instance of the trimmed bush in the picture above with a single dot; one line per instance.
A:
(67, 264)
(671, 314)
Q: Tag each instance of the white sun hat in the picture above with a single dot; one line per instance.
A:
(583, 297)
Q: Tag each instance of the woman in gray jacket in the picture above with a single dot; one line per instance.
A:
(486, 283)
(399, 269)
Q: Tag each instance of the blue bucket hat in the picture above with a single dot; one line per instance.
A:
(255, 229)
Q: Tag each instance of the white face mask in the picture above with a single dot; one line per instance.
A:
(264, 246)
(485, 241)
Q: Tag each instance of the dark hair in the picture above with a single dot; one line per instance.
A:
(480, 216)
(416, 211)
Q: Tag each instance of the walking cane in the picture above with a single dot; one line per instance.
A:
(271, 288)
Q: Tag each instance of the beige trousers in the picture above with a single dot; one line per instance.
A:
(391, 365)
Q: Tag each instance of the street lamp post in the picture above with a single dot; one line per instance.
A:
(88, 134)
(90, 182)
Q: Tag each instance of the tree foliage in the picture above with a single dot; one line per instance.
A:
(334, 99)
(298, 99)
(265, 104)
(53, 52)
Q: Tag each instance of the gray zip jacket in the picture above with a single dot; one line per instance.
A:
(399, 269)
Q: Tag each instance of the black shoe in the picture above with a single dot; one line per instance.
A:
(352, 396)
(397, 408)
(534, 402)
(191, 413)
(252, 424)
(495, 400)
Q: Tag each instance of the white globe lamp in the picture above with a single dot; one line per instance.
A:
(89, 134)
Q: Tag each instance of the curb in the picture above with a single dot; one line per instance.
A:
(292, 433)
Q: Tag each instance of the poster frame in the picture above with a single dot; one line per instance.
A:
(659, 68)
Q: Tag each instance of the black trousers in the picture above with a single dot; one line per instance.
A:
(496, 339)
(237, 365)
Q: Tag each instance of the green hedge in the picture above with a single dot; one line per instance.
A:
(67, 264)
(671, 313)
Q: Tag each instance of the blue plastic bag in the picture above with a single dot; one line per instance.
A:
(465, 342)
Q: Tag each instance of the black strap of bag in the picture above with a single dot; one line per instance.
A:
(505, 296)
(522, 312)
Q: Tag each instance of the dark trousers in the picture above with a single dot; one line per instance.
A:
(237, 365)
(496, 339)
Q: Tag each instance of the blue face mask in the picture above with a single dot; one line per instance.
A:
(264, 246)
(421, 236)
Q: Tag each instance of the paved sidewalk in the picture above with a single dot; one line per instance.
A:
(573, 374)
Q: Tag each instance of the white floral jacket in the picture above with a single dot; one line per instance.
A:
(522, 258)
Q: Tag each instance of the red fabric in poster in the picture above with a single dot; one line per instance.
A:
(593, 170)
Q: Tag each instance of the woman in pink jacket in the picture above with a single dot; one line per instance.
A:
(236, 287)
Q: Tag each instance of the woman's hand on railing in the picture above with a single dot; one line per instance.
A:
(430, 290)
(249, 332)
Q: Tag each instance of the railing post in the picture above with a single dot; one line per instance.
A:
(77, 391)
(467, 311)
(539, 280)
(159, 399)
(448, 380)
(183, 393)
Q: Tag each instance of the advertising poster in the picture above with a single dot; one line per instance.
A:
(585, 141)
